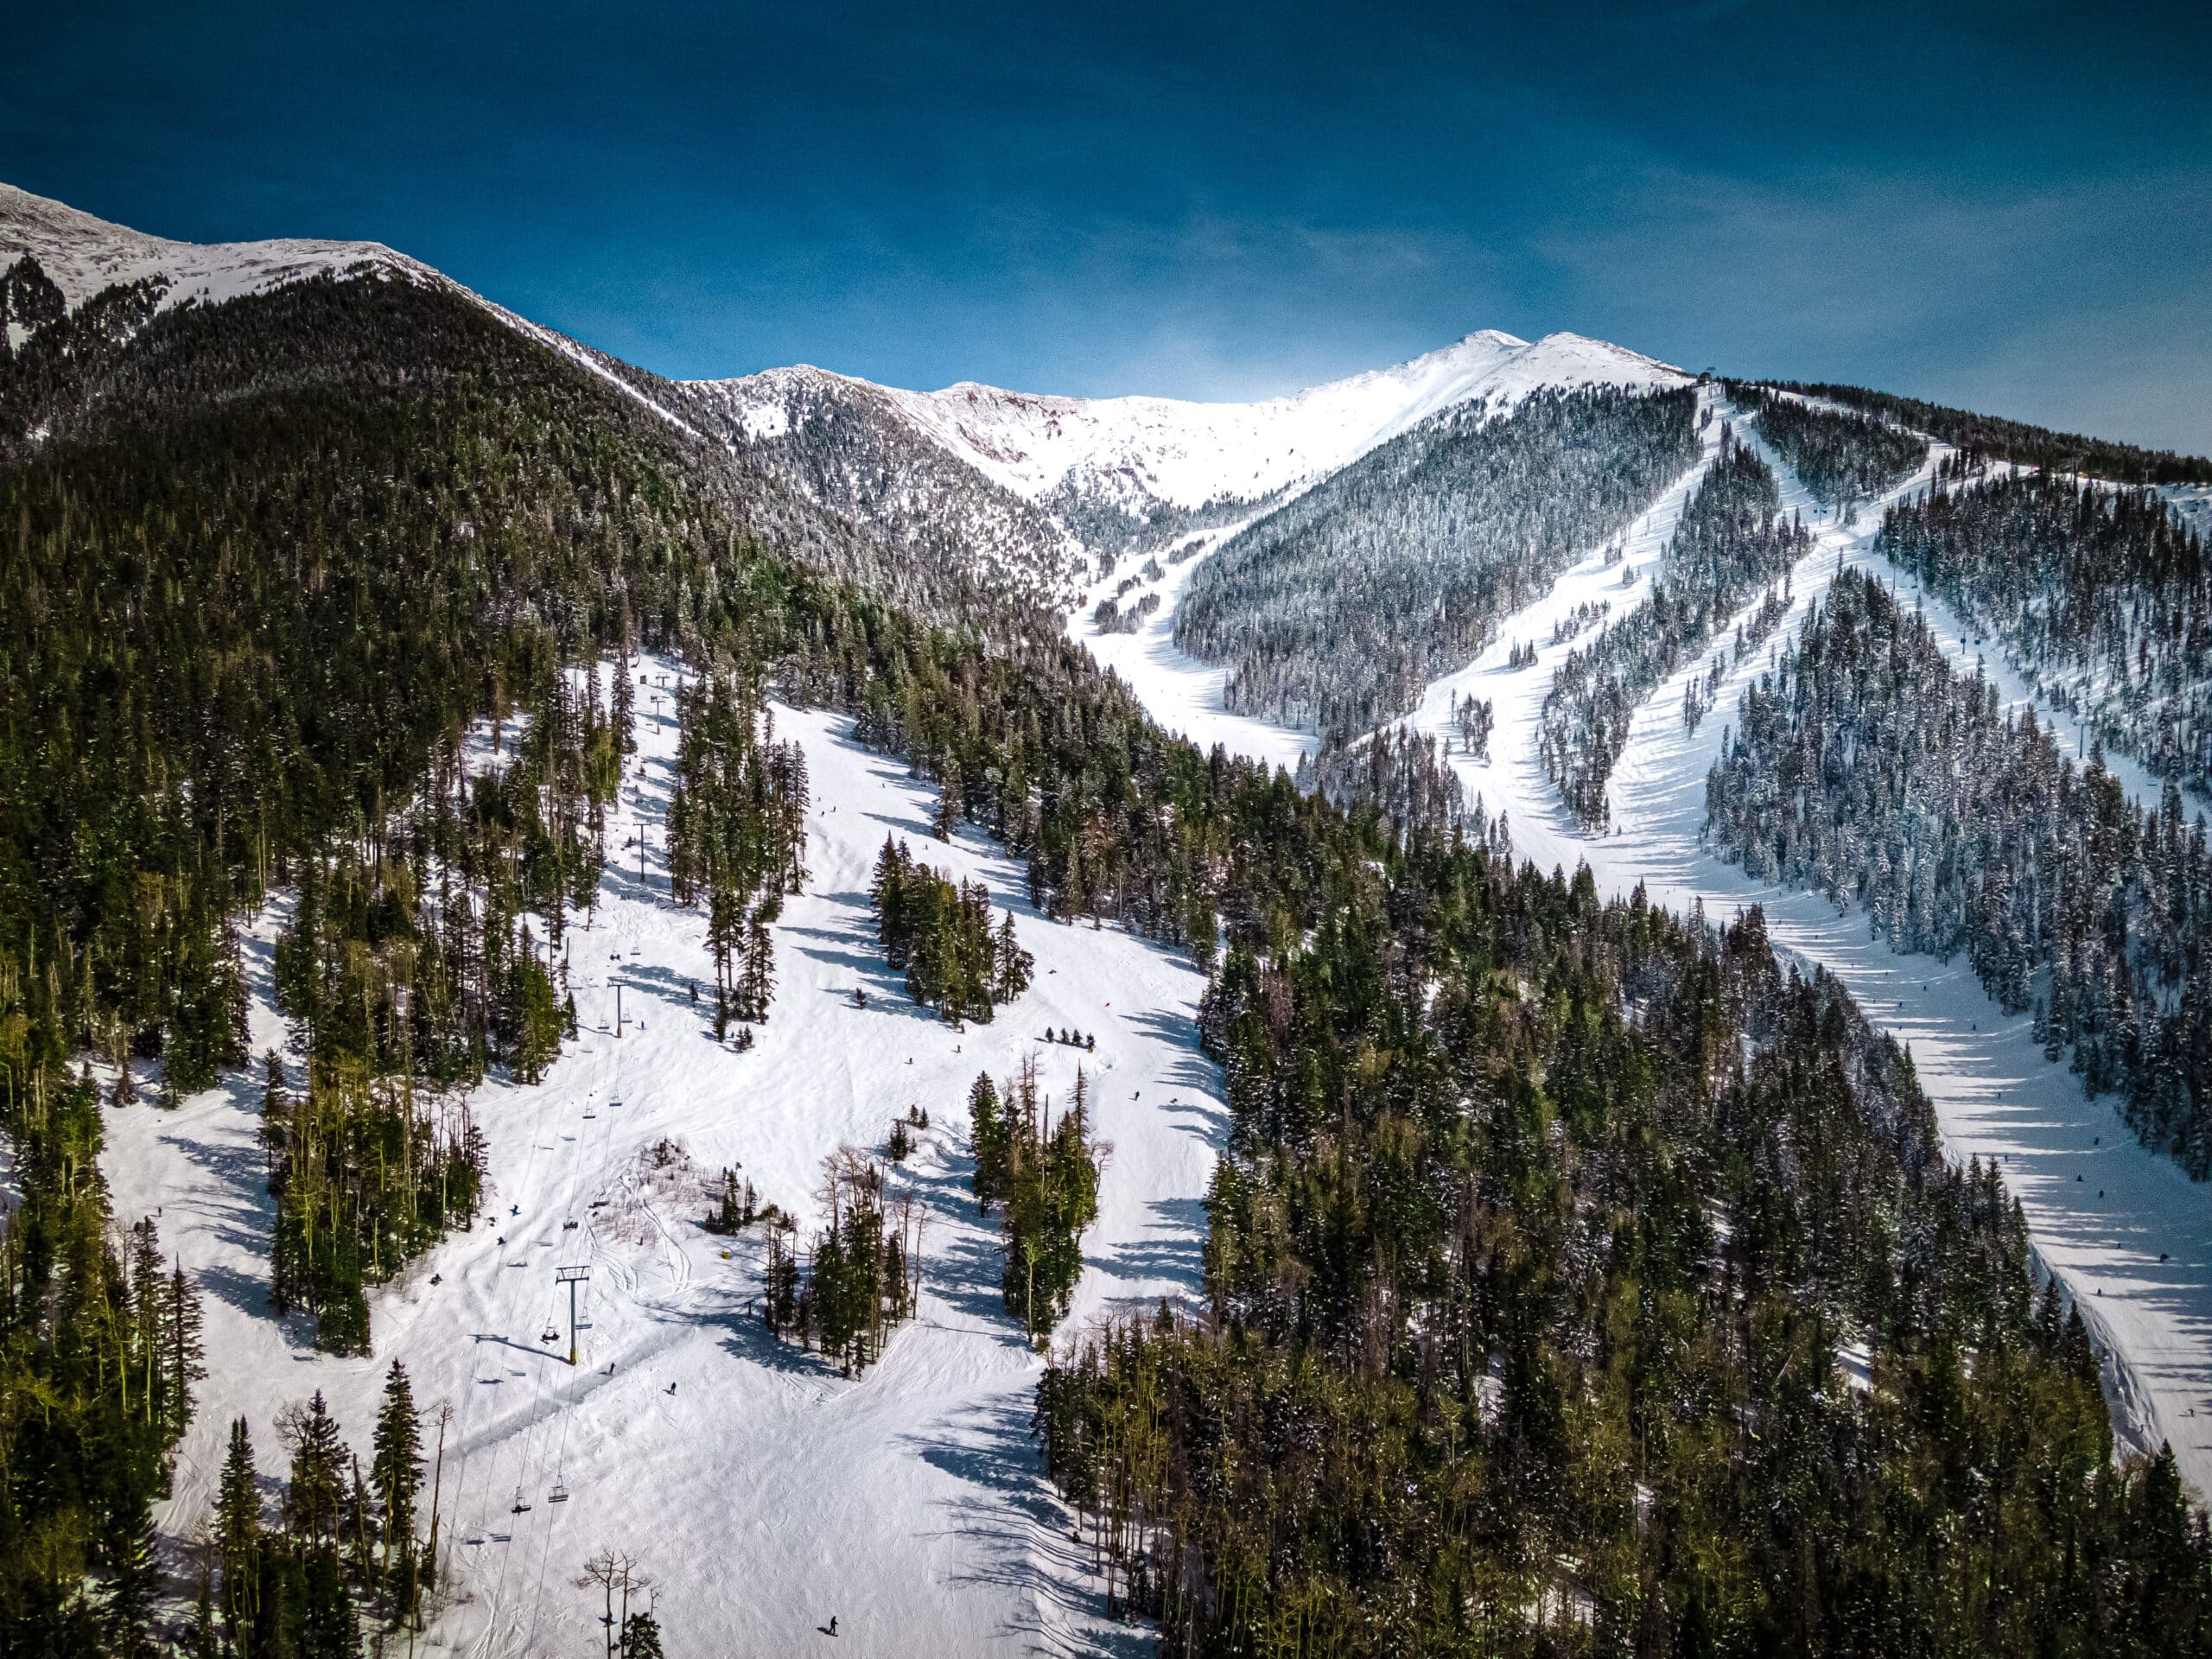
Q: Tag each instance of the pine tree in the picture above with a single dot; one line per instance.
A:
(184, 1357)
(946, 819)
(1013, 965)
(314, 1501)
(760, 966)
(988, 1135)
(396, 1467)
(238, 1536)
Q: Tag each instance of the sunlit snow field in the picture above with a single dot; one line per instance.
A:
(760, 1492)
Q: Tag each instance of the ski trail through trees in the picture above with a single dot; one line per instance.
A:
(760, 1490)
(2102, 1210)
(2128, 1232)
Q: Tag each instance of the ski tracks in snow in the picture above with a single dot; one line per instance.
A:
(760, 1491)
(2126, 1231)
(2128, 1234)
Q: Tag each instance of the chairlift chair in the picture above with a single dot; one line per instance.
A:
(558, 1495)
(522, 1504)
(552, 1334)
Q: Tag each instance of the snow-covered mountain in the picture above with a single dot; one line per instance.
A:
(83, 255)
(1107, 468)
(1023, 490)
(1145, 449)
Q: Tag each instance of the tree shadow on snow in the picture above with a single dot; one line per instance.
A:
(1015, 1524)
(887, 987)
(1192, 1070)
(250, 1295)
(1174, 1250)
(744, 1336)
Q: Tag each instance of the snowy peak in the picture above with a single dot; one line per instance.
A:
(1188, 454)
(1135, 452)
(82, 256)
(1016, 485)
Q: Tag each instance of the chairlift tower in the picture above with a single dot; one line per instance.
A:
(571, 1277)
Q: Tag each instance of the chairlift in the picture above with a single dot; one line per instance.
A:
(568, 1226)
(522, 1504)
(558, 1495)
(549, 1334)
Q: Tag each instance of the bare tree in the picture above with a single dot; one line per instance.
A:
(614, 1571)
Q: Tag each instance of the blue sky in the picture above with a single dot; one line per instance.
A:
(2006, 206)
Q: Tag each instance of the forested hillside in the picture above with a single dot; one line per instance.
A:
(2102, 597)
(1998, 439)
(1529, 1313)
(1867, 769)
(1731, 541)
(842, 445)
(1843, 457)
(1334, 611)
(263, 565)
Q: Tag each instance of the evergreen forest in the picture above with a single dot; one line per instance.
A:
(1866, 768)
(1334, 611)
(1578, 1279)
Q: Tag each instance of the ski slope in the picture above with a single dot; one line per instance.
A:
(761, 1493)
(2101, 1209)
(1183, 695)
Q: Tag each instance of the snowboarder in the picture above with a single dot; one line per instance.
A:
(833, 1623)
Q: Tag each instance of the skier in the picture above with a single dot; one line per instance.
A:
(833, 1623)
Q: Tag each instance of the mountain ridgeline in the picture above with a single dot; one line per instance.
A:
(1335, 610)
(2017, 441)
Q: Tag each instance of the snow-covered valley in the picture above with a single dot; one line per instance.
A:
(760, 1492)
